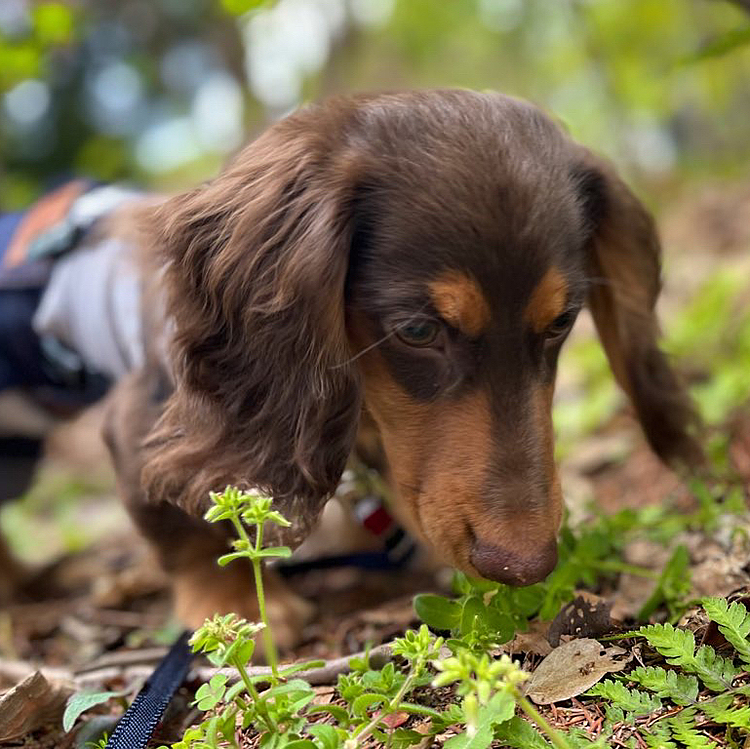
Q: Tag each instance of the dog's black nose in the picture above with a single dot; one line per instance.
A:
(511, 567)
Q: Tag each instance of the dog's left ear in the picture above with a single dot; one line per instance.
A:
(624, 265)
(255, 268)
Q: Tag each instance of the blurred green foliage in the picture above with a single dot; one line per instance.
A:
(238, 7)
(659, 85)
(51, 25)
(713, 333)
(594, 400)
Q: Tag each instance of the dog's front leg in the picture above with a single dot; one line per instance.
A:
(188, 547)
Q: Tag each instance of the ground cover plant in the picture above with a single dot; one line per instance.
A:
(682, 695)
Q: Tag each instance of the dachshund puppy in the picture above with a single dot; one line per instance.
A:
(406, 263)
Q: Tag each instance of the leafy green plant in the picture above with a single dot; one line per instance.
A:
(483, 615)
(490, 692)
(278, 711)
(78, 704)
(278, 707)
(250, 508)
(667, 705)
(700, 686)
(672, 587)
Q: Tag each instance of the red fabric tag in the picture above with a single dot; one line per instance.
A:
(378, 522)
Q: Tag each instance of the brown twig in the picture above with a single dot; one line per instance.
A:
(123, 658)
(325, 674)
(135, 665)
(12, 672)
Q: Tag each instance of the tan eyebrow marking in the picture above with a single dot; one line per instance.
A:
(460, 301)
(547, 300)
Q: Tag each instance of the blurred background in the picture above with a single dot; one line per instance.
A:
(160, 93)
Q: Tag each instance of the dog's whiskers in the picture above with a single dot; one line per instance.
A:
(361, 353)
(377, 343)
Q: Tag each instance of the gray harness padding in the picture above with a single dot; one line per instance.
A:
(92, 306)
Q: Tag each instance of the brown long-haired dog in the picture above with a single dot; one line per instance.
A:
(413, 261)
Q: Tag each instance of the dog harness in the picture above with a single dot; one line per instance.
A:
(69, 308)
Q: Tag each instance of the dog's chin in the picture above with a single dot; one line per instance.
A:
(447, 549)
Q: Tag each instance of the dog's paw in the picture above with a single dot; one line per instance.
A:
(202, 592)
(287, 612)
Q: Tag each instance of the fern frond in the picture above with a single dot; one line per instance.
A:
(658, 736)
(678, 647)
(715, 672)
(686, 732)
(613, 715)
(630, 700)
(683, 690)
(579, 739)
(733, 621)
(721, 711)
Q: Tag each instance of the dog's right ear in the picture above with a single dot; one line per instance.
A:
(625, 273)
(255, 270)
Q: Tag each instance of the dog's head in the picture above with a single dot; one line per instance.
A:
(423, 256)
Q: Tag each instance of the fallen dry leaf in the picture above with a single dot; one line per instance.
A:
(573, 668)
(533, 642)
(31, 705)
(323, 695)
(585, 616)
(394, 720)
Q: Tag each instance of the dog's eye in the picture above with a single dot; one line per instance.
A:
(419, 333)
(561, 324)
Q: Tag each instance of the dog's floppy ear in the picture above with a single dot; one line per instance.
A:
(256, 263)
(625, 273)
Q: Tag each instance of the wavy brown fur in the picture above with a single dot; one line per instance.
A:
(625, 265)
(256, 266)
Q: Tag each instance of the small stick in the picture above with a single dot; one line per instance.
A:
(124, 658)
(13, 672)
(325, 674)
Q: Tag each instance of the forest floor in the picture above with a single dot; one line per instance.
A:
(97, 615)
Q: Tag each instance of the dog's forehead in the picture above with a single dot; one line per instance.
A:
(469, 197)
(494, 249)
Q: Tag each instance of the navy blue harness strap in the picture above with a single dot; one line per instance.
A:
(399, 549)
(140, 720)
